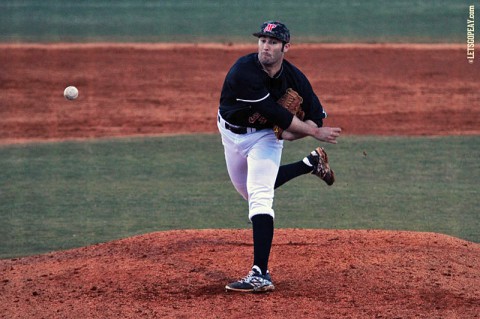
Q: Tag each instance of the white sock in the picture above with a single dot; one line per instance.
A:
(307, 162)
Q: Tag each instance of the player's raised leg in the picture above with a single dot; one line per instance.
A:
(316, 163)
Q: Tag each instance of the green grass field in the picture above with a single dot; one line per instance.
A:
(62, 195)
(225, 21)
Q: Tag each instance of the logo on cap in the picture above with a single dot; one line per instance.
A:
(269, 27)
(274, 29)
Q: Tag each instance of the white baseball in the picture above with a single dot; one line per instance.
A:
(70, 93)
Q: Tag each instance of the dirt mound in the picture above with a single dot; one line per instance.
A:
(182, 274)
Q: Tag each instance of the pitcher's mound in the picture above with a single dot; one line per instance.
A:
(182, 274)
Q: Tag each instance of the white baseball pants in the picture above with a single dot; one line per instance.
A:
(253, 160)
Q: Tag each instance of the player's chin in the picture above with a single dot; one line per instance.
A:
(265, 59)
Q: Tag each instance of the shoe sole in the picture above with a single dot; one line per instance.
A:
(262, 289)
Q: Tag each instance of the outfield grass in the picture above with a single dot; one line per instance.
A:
(225, 21)
(62, 195)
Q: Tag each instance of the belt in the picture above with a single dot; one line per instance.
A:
(234, 128)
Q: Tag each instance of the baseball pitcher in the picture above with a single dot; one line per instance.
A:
(265, 100)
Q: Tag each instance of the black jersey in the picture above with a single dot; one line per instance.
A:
(249, 95)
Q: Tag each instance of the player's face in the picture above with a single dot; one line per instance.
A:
(270, 51)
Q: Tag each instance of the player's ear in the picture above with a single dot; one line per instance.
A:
(286, 46)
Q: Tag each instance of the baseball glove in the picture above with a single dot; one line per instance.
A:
(292, 101)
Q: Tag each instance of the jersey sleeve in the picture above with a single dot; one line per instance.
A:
(247, 84)
(276, 113)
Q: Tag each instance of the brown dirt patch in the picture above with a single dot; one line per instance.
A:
(181, 274)
(140, 89)
(155, 89)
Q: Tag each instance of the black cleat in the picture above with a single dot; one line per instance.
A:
(253, 282)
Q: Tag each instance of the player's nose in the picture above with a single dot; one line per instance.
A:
(266, 46)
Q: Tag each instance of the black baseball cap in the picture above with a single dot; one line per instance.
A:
(274, 29)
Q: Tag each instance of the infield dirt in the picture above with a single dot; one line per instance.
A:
(170, 89)
(142, 89)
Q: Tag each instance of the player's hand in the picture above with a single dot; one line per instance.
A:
(327, 134)
(324, 134)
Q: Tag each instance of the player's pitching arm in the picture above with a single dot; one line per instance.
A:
(299, 129)
(290, 136)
